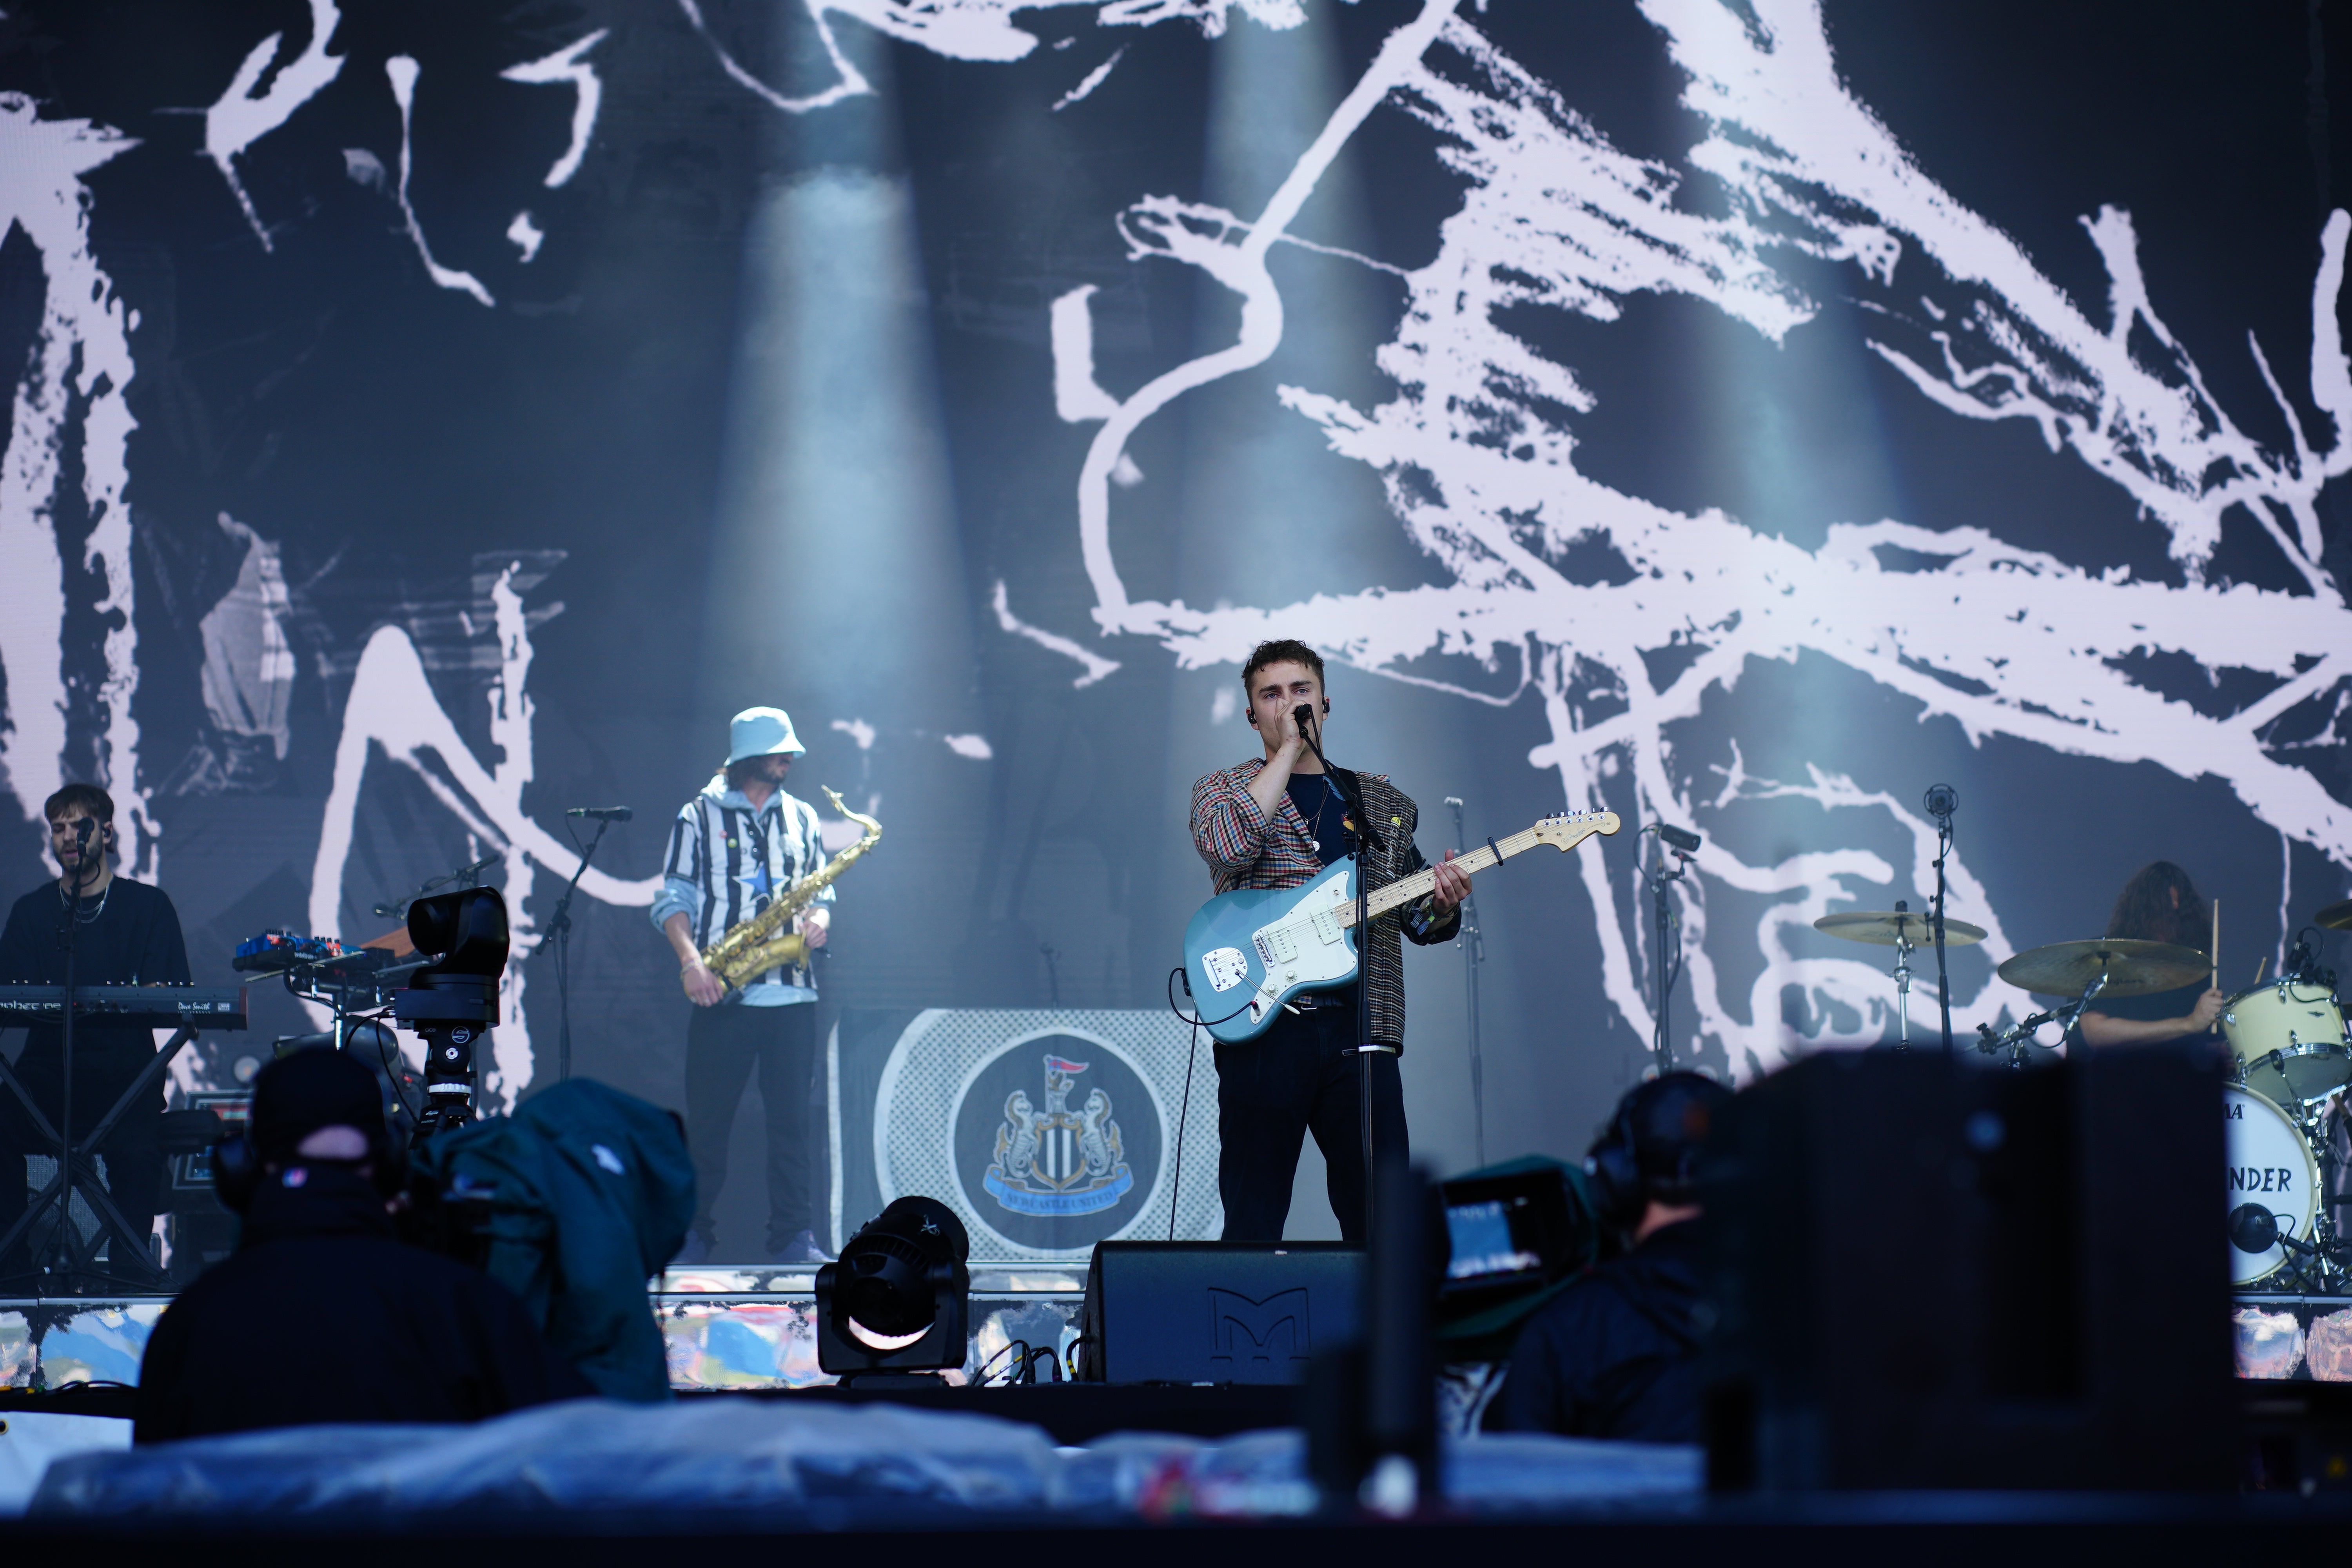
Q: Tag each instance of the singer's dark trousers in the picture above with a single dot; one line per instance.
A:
(723, 1045)
(1300, 1076)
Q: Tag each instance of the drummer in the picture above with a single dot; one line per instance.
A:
(2160, 904)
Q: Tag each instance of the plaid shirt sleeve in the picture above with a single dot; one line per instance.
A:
(1243, 847)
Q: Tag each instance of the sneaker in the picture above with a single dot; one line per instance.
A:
(694, 1254)
(800, 1251)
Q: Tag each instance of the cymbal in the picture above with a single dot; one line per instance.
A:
(2132, 968)
(1881, 928)
(2336, 915)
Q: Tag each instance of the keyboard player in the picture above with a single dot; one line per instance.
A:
(124, 933)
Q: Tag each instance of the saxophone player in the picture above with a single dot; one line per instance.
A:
(735, 847)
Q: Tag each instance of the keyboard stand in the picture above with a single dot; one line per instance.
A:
(132, 1260)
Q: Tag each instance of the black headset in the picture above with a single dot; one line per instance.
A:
(238, 1164)
(1650, 1147)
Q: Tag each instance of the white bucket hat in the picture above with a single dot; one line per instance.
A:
(761, 733)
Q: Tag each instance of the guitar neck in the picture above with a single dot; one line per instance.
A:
(1405, 889)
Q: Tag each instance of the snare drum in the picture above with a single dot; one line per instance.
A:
(2271, 1166)
(2289, 1041)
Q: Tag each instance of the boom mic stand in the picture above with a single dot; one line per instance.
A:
(1360, 836)
(1473, 954)
(1942, 801)
(559, 930)
(61, 1237)
(1675, 847)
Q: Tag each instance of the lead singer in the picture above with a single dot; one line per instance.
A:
(1276, 822)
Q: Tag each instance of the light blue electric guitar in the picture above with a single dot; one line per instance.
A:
(1247, 953)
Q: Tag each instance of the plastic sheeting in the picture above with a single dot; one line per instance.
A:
(829, 1464)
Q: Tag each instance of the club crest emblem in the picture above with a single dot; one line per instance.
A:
(1058, 1162)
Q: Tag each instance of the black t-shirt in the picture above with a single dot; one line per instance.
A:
(2154, 1007)
(129, 935)
(1324, 812)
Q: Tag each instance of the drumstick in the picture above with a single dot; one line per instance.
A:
(2262, 969)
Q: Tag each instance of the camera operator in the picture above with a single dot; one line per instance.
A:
(322, 1315)
(1616, 1355)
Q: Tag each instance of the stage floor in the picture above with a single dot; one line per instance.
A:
(726, 1328)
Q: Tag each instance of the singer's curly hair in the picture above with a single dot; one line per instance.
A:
(2145, 910)
(1281, 650)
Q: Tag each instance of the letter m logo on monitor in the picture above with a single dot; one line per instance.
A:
(1243, 1330)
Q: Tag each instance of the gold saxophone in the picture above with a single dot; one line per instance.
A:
(751, 948)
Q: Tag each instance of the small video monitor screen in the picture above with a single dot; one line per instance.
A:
(1484, 1246)
(1513, 1229)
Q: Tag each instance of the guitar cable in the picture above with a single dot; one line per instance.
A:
(1191, 1056)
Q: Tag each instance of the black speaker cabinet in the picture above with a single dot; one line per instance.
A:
(1931, 1276)
(1211, 1311)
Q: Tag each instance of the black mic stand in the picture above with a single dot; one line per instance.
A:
(1473, 954)
(1942, 801)
(558, 931)
(61, 1237)
(1360, 837)
(1674, 865)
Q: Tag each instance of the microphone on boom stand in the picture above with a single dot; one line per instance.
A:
(1941, 802)
(557, 930)
(1680, 843)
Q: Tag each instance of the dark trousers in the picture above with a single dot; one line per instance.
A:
(1299, 1077)
(722, 1046)
(134, 1166)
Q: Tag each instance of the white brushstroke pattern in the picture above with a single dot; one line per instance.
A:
(1480, 468)
(402, 71)
(567, 65)
(392, 709)
(1095, 665)
(240, 119)
(82, 349)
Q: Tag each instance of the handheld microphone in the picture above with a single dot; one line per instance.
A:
(602, 813)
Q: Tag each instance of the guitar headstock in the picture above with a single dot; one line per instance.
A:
(1566, 829)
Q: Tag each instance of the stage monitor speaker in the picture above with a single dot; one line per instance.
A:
(1927, 1276)
(1212, 1312)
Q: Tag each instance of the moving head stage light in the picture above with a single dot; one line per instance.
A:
(898, 1297)
(454, 1001)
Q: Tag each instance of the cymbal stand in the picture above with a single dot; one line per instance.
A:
(1902, 983)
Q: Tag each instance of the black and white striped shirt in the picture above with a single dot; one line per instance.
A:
(726, 862)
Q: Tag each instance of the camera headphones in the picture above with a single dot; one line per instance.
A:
(239, 1164)
(1651, 1148)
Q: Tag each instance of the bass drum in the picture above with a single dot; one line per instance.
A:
(2288, 1037)
(2270, 1166)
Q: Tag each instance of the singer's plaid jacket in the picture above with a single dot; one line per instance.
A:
(1245, 849)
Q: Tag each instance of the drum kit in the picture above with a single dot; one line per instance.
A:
(2290, 1070)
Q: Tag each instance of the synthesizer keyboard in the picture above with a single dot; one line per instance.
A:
(150, 1006)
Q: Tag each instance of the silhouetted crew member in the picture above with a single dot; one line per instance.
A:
(322, 1315)
(1616, 1355)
